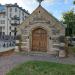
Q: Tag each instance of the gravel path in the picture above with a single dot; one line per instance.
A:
(8, 62)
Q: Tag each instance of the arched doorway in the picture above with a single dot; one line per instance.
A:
(39, 40)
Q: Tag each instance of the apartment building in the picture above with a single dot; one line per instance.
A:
(11, 15)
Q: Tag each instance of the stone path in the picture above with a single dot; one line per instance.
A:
(8, 62)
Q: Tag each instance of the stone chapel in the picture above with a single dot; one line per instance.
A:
(40, 32)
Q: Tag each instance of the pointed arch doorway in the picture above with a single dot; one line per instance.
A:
(39, 40)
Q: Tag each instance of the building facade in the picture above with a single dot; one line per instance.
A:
(41, 32)
(11, 15)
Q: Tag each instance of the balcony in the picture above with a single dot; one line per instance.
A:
(15, 18)
(15, 24)
(15, 30)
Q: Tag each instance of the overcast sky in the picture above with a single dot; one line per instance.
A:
(55, 7)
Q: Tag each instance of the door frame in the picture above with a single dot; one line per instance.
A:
(32, 38)
(45, 40)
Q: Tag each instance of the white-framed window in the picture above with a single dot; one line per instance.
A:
(11, 9)
(2, 22)
(3, 27)
(15, 9)
(0, 28)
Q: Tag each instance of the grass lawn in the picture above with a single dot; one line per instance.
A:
(43, 68)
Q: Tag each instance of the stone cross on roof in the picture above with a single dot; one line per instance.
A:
(40, 1)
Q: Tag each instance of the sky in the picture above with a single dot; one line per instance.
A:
(55, 7)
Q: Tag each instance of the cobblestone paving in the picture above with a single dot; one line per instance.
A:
(8, 62)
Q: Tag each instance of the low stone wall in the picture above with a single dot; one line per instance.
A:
(7, 53)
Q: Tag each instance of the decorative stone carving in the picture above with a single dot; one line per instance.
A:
(34, 22)
(38, 19)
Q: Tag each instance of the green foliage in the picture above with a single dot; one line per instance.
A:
(69, 16)
(43, 68)
(74, 2)
(69, 19)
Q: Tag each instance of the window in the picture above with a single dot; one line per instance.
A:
(14, 33)
(10, 14)
(10, 27)
(3, 27)
(10, 34)
(15, 16)
(3, 33)
(15, 29)
(25, 16)
(0, 33)
(39, 11)
(15, 21)
(23, 13)
(15, 9)
(2, 21)
(0, 29)
(10, 21)
(10, 9)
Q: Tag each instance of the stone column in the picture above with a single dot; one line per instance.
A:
(17, 46)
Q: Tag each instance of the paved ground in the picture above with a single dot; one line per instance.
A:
(8, 62)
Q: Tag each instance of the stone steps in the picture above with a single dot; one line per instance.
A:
(36, 53)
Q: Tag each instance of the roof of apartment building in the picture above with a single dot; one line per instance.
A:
(15, 5)
(2, 8)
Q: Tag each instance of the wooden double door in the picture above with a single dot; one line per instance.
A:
(39, 40)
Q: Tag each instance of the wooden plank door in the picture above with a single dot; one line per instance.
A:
(39, 40)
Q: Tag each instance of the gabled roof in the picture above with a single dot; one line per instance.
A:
(45, 12)
(48, 13)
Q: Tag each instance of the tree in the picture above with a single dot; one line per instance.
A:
(69, 19)
(74, 2)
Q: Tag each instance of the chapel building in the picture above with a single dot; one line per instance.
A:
(41, 32)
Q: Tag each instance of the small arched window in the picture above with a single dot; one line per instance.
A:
(39, 11)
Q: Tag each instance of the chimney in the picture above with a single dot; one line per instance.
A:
(15, 3)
